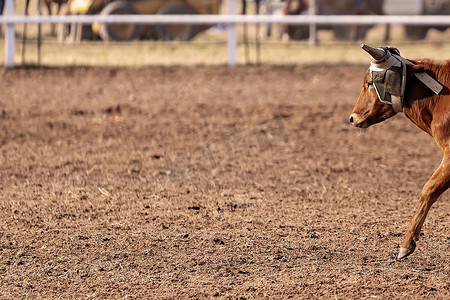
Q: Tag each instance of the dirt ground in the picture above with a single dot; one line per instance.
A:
(210, 182)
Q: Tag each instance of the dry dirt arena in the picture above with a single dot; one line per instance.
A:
(210, 183)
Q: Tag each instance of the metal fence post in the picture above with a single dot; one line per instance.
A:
(312, 26)
(10, 38)
(232, 38)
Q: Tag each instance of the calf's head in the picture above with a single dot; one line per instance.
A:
(369, 109)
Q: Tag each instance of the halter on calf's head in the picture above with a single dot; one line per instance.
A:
(382, 95)
(421, 90)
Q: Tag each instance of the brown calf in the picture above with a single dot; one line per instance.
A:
(421, 90)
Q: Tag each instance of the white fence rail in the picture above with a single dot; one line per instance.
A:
(230, 20)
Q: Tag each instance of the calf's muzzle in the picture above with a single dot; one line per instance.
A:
(357, 121)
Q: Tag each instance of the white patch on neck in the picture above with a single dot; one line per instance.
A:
(383, 66)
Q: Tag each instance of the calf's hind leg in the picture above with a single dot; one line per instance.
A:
(438, 183)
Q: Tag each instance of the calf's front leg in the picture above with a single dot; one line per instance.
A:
(438, 183)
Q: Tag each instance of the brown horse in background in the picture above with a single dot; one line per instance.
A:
(427, 104)
(59, 3)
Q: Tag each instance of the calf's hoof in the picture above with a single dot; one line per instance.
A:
(404, 252)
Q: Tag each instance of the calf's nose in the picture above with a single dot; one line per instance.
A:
(357, 121)
(354, 118)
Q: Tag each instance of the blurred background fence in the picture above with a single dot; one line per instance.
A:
(271, 32)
